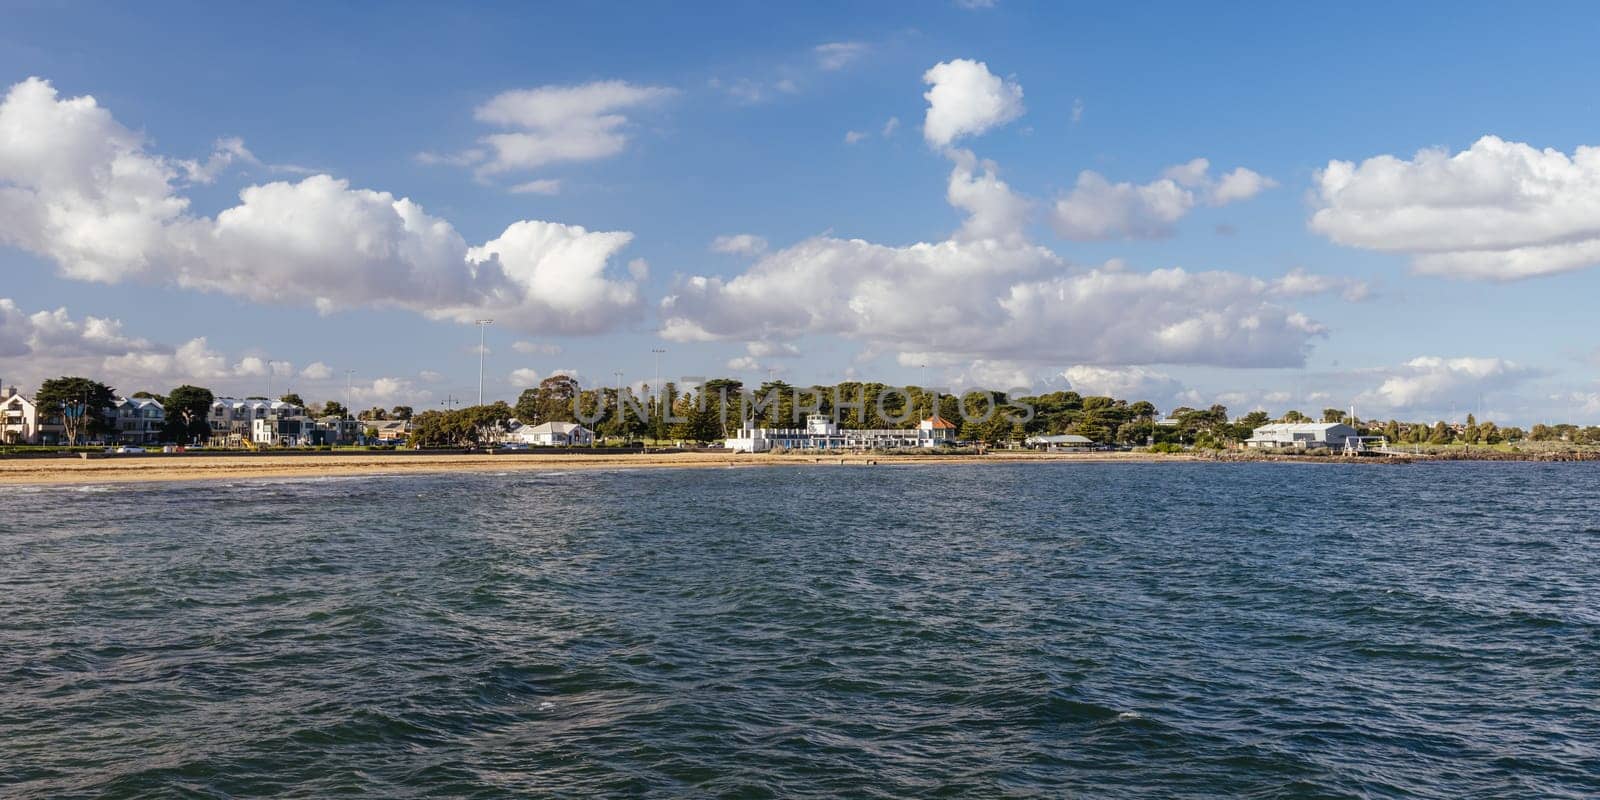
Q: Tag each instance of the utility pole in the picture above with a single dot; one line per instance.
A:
(482, 323)
(347, 374)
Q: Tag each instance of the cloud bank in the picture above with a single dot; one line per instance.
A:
(1498, 210)
(80, 189)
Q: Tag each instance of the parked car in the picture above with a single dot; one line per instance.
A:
(514, 446)
(128, 448)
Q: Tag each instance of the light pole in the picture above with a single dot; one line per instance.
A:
(657, 387)
(347, 374)
(482, 323)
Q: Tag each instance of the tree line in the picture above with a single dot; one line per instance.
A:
(715, 408)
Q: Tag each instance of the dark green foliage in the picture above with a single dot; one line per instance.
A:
(186, 409)
(79, 405)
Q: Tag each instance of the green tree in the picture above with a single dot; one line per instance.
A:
(186, 409)
(400, 412)
(1332, 415)
(700, 420)
(334, 408)
(1391, 431)
(1244, 427)
(292, 399)
(78, 405)
(555, 400)
(1489, 433)
(429, 429)
(1441, 434)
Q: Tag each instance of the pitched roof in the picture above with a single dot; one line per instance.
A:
(939, 423)
(558, 428)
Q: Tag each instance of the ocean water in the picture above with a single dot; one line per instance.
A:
(1174, 630)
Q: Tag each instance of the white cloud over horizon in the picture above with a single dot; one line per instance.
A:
(1429, 382)
(81, 190)
(1498, 210)
(988, 294)
(1125, 383)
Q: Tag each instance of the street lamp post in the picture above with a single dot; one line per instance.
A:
(657, 387)
(347, 397)
(482, 323)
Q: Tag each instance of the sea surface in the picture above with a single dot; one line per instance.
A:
(1088, 630)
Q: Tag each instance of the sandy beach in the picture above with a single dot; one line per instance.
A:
(201, 467)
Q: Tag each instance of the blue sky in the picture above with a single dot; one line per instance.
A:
(733, 120)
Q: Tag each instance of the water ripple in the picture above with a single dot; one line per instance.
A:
(1194, 630)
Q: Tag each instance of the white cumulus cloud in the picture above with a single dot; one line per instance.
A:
(1498, 210)
(78, 188)
(987, 294)
(1096, 208)
(966, 100)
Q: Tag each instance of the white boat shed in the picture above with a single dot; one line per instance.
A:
(1302, 436)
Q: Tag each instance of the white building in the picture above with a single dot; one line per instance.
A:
(20, 422)
(551, 434)
(822, 433)
(232, 419)
(137, 420)
(1063, 441)
(1303, 436)
(295, 430)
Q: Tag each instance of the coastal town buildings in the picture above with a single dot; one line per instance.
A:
(232, 419)
(823, 433)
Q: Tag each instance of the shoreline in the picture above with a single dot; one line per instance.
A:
(158, 468)
(161, 468)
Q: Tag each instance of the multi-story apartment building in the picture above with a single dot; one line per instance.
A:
(137, 420)
(21, 423)
(232, 420)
